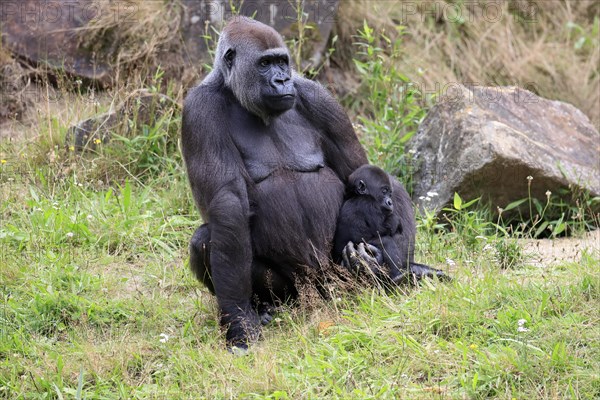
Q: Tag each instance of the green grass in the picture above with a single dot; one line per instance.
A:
(97, 301)
(92, 275)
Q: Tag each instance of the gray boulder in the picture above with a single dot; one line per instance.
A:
(281, 15)
(486, 141)
(45, 33)
(50, 33)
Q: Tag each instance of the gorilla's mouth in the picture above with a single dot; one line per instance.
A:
(281, 102)
(283, 96)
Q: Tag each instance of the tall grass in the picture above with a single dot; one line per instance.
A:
(549, 47)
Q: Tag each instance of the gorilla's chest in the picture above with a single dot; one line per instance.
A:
(289, 143)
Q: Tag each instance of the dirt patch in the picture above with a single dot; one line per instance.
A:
(546, 252)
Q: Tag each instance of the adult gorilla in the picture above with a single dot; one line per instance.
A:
(267, 154)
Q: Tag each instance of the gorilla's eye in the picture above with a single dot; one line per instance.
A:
(265, 63)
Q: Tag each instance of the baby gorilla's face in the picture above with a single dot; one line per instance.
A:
(374, 182)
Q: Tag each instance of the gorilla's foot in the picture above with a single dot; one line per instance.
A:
(243, 330)
(265, 313)
(420, 271)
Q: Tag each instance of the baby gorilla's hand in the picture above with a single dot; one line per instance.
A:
(362, 258)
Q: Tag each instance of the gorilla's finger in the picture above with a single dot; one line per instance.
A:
(374, 252)
(365, 255)
(349, 257)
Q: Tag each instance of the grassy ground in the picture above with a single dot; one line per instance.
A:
(97, 302)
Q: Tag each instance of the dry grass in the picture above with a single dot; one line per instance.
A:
(552, 49)
(144, 38)
(13, 85)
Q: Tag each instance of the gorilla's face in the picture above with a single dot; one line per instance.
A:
(261, 79)
(373, 182)
(277, 90)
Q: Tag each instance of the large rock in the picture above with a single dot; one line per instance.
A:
(50, 32)
(281, 15)
(486, 141)
(45, 32)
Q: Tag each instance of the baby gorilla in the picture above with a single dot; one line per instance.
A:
(367, 218)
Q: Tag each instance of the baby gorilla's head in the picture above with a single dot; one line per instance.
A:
(374, 182)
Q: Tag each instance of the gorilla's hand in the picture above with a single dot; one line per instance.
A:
(361, 258)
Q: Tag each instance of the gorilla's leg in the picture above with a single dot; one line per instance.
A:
(420, 271)
(200, 256)
(270, 289)
(368, 257)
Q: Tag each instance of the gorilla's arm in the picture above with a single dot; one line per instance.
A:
(216, 174)
(343, 151)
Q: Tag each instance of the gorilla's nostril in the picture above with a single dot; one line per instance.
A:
(280, 80)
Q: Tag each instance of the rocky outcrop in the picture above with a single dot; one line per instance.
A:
(52, 33)
(280, 15)
(45, 33)
(486, 141)
(13, 91)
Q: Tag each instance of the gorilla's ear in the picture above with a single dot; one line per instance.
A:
(228, 57)
(361, 187)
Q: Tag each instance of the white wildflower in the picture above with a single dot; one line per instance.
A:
(432, 194)
(521, 327)
(450, 262)
(164, 338)
(70, 234)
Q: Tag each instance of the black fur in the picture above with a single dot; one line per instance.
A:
(367, 214)
(267, 154)
(378, 211)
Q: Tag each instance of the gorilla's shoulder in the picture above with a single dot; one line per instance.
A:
(316, 99)
(207, 96)
(307, 89)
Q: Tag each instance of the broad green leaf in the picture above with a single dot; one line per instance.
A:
(457, 201)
